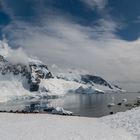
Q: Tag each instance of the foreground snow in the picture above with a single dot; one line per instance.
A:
(121, 126)
(129, 120)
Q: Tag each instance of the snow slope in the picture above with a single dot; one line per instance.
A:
(93, 84)
(129, 120)
(12, 90)
(59, 86)
(52, 127)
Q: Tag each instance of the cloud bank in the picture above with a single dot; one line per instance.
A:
(68, 44)
(18, 56)
(62, 41)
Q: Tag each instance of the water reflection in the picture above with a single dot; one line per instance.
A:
(94, 105)
(91, 105)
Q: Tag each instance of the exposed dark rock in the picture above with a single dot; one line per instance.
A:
(111, 113)
(34, 87)
(2, 59)
(49, 109)
(119, 104)
(33, 72)
(128, 105)
(118, 87)
(23, 111)
(95, 80)
(11, 111)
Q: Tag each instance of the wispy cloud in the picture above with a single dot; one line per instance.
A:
(68, 44)
(62, 41)
(99, 4)
(6, 9)
(137, 20)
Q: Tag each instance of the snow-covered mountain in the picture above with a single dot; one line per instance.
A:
(19, 74)
(33, 72)
(93, 83)
(22, 76)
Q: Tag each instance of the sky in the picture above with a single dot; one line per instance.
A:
(99, 36)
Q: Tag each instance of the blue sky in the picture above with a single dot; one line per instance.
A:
(127, 12)
(100, 36)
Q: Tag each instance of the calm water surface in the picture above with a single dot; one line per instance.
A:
(89, 105)
(94, 105)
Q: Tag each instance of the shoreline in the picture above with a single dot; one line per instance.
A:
(128, 105)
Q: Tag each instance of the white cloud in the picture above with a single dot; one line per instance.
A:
(70, 45)
(67, 44)
(18, 56)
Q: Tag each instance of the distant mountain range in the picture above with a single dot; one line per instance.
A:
(35, 76)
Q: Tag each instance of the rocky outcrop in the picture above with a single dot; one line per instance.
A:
(91, 79)
(33, 72)
(37, 72)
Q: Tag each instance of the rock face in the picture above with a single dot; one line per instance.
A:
(38, 71)
(33, 72)
(90, 79)
(2, 59)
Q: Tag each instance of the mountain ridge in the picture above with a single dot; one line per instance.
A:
(40, 80)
